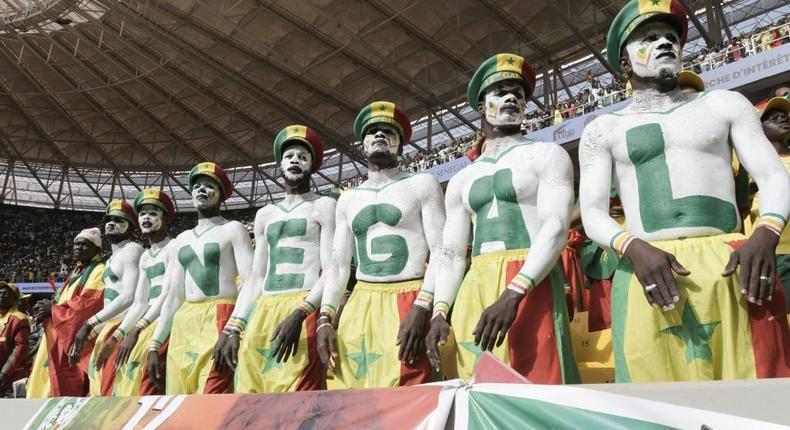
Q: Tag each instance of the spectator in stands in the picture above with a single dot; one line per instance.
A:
(14, 334)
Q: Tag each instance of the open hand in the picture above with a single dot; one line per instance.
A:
(653, 268)
(493, 325)
(105, 352)
(286, 336)
(757, 258)
(75, 351)
(155, 370)
(411, 334)
(327, 345)
(437, 336)
(125, 350)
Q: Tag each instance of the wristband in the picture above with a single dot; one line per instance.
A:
(772, 221)
(329, 311)
(322, 325)
(521, 284)
(442, 308)
(155, 345)
(235, 324)
(142, 324)
(307, 308)
(438, 313)
(92, 322)
(620, 241)
(424, 300)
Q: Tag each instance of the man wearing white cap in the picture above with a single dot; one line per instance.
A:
(81, 296)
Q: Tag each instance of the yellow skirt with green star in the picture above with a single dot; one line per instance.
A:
(129, 376)
(538, 343)
(713, 332)
(38, 383)
(367, 333)
(257, 371)
(190, 360)
(101, 380)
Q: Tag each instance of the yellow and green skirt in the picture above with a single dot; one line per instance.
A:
(367, 336)
(538, 343)
(713, 332)
(101, 380)
(190, 360)
(783, 271)
(257, 371)
(132, 378)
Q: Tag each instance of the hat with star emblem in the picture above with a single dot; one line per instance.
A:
(121, 209)
(215, 172)
(382, 112)
(636, 13)
(153, 196)
(300, 134)
(498, 68)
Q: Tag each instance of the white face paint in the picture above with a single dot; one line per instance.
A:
(381, 138)
(296, 162)
(205, 193)
(505, 104)
(151, 218)
(115, 226)
(654, 50)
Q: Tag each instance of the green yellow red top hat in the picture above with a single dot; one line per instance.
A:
(775, 103)
(153, 196)
(637, 12)
(498, 68)
(690, 79)
(215, 172)
(121, 209)
(382, 112)
(14, 289)
(304, 135)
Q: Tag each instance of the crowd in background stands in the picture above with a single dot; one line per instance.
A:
(37, 242)
(598, 94)
(43, 252)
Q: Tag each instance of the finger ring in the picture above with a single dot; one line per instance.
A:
(765, 278)
(651, 287)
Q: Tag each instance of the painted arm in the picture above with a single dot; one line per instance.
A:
(175, 296)
(251, 289)
(451, 258)
(325, 216)
(130, 273)
(554, 201)
(433, 218)
(757, 257)
(138, 307)
(339, 267)
(242, 251)
(761, 161)
(595, 183)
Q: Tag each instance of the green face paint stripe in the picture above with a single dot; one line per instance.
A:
(667, 112)
(508, 226)
(657, 207)
(385, 186)
(286, 210)
(620, 286)
(205, 276)
(275, 232)
(393, 245)
(194, 230)
(489, 410)
(562, 328)
(488, 159)
(109, 274)
(110, 294)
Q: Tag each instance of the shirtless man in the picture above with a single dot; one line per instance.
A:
(202, 290)
(670, 155)
(294, 240)
(120, 279)
(517, 199)
(155, 213)
(390, 223)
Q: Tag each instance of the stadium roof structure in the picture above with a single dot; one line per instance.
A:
(100, 98)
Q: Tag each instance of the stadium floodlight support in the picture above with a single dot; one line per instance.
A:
(158, 89)
(388, 71)
(581, 37)
(719, 13)
(697, 24)
(714, 26)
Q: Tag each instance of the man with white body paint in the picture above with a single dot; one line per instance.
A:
(390, 223)
(202, 290)
(517, 199)
(120, 278)
(294, 240)
(670, 156)
(155, 214)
